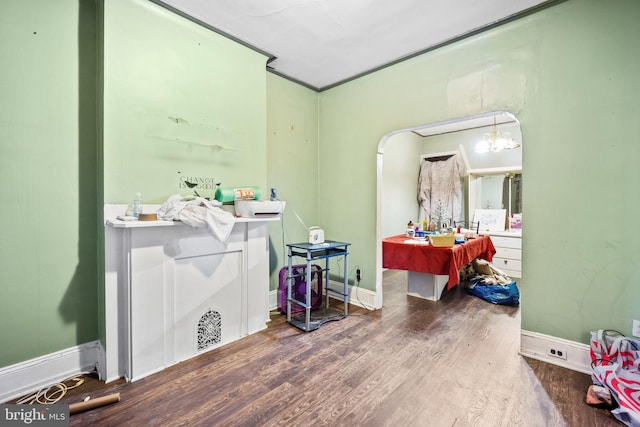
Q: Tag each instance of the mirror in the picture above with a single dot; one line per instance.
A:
(398, 164)
(512, 193)
(500, 191)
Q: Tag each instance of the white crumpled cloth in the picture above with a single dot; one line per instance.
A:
(198, 213)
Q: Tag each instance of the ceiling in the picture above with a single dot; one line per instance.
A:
(323, 43)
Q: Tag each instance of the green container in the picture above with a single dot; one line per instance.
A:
(231, 194)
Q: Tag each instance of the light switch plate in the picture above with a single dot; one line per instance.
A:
(636, 328)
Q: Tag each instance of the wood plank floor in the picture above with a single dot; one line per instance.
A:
(453, 362)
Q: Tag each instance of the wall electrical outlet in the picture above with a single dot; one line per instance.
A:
(559, 353)
(636, 328)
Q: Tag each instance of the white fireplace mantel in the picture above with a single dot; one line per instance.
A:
(173, 292)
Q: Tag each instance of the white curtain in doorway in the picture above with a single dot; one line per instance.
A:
(440, 188)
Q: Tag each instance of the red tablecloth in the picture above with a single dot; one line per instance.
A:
(425, 258)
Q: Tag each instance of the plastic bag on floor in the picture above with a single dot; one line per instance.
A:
(497, 294)
(616, 365)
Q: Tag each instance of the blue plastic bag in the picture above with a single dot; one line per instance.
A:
(496, 294)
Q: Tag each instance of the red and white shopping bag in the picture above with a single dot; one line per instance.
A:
(615, 360)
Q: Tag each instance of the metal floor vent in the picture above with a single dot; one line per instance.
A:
(209, 330)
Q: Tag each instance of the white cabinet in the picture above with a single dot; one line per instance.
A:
(173, 292)
(508, 257)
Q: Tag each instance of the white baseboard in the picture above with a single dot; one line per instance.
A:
(537, 346)
(357, 296)
(32, 375)
(273, 300)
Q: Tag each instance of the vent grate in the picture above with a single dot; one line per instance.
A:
(209, 330)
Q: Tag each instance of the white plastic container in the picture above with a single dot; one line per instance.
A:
(259, 208)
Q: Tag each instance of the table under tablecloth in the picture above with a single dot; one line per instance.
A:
(399, 254)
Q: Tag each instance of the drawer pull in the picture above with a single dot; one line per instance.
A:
(506, 261)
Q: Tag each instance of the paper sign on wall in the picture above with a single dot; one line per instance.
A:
(490, 219)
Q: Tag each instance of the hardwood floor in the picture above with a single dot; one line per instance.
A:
(453, 362)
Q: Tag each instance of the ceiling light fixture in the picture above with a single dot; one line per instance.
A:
(496, 141)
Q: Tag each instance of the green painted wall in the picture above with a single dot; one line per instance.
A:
(400, 171)
(180, 101)
(569, 73)
(155, 66)
(292, 157)
(48, 273)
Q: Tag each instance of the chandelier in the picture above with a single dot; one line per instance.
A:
(496, 141)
